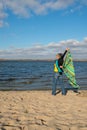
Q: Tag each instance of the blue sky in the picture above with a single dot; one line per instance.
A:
(38, 29)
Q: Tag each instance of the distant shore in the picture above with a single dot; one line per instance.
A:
(39, 60)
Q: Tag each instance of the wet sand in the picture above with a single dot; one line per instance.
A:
(39, 110)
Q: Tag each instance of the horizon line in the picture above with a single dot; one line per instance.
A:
(7, 59)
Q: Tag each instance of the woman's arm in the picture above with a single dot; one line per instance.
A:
(64, 53)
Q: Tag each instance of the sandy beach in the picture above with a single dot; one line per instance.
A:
(39, 110)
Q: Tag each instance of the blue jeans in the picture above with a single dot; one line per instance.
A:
(59, 78)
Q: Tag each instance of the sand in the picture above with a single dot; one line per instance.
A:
(39, 110)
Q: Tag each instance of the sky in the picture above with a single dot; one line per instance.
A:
(39, 29)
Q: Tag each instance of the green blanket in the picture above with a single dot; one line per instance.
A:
(69, 70)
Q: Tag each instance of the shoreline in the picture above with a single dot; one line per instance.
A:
(43, 89)
(42, 60)
(39, 110)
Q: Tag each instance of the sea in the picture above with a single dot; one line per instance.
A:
(35, 75)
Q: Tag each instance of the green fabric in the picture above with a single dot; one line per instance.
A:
(69, 70)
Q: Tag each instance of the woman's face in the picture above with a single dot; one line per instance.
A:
(57, 56)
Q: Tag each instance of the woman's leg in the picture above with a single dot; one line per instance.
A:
(55, 78)
(61, 82)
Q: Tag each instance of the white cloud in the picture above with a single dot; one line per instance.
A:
(40, 51)
(3, 15)
(2, 23)
(85, 39)
(26, 8)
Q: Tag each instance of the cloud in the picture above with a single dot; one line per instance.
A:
(40, 51)
(27, 8)
(2, 23)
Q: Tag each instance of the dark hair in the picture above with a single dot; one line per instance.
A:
(60, 54)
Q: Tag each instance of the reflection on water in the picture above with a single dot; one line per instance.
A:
(27, 75)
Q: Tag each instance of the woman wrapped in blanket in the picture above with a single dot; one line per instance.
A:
(58, 72)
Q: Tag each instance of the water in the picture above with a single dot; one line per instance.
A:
(29, 75)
